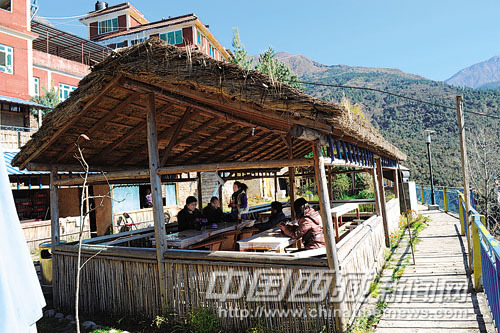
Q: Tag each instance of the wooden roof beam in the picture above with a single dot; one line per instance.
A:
(173, 140)
(111, 84)
(190, 102)
(102, 122)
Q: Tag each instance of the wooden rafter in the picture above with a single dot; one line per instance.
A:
(173, 140)
(182, 100)
(264, 147)
(102, 122)
(229, 150)
(71, 121)
(222, 130)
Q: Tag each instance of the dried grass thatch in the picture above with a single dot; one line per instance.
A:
(228, 100)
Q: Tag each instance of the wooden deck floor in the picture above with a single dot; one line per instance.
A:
(434, 295)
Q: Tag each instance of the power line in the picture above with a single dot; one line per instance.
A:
(62, 17)
(396, 95)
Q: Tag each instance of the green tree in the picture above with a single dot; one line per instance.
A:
(49, 98)
(269, 65)
(240, 56)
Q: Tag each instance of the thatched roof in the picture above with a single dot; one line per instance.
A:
(207, 112)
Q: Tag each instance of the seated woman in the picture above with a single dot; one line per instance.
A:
(188, 216)
(277, 216)
(212, 212)
(239, 202)
(309, 228)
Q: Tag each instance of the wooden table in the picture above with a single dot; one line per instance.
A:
(183, 239)
(340, 209)
(272, 239)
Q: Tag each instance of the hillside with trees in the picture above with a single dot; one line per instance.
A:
(401, 121)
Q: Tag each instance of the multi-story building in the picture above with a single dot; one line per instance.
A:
(123, 25)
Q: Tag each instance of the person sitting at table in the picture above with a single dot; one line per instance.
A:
(213, 212)
(239, 202)
(310, 228)
(188, 216)
(277, 216)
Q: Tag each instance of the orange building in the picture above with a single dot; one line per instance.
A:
(123, 25)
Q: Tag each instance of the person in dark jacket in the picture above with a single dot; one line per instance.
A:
(212, 212)
(239, 201)
(277, 216)
(310, 227)
(189, 215)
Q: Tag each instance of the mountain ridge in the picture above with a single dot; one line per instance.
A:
(402, 122)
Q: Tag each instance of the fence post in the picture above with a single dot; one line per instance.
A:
(422, 191)
(476, 253)
(462, 220)
(445, 199)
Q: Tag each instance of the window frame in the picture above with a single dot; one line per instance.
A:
(171, 37)
(63, 87)
(36, 86)
(9, 10)
(8, 51)
(106, 26)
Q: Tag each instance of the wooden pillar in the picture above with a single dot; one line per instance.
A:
(221, 187)
(159, 219)
(200, 196)
(275, 186)
(396, 184)
(326, 218)
(330, 189)
(376, 191)
(381, 192)
(291, 176)
(54, 227)
(54, 210)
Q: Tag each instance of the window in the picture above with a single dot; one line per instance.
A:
(121, 44)
(200, 37)
(108, 25)
(172, 37)
(5, 5)
(6, 59)
(36, 84)
(137, 41)
(64, 91)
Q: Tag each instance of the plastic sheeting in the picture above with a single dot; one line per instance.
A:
(21, 297)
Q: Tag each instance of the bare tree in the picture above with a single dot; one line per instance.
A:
(484, 168)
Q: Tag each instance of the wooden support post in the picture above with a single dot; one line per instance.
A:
(159, 219)
(291, 176)
(54, 210)
(422, 194)
(476, 252)
(200, 196)
(326, 217)
(376, 192)
(221, 188)
(330, 189)
(396, 184)
(275, 186)
(381, 192)
(54, 227)
(445, 199)
(462, 217)
(465, 172)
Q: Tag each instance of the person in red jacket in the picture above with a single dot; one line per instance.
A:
(310, 228)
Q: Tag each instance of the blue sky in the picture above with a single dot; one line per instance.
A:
(434, 39)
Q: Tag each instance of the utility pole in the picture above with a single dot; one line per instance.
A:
(428, 142)
(465, 169)
(433, 205)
